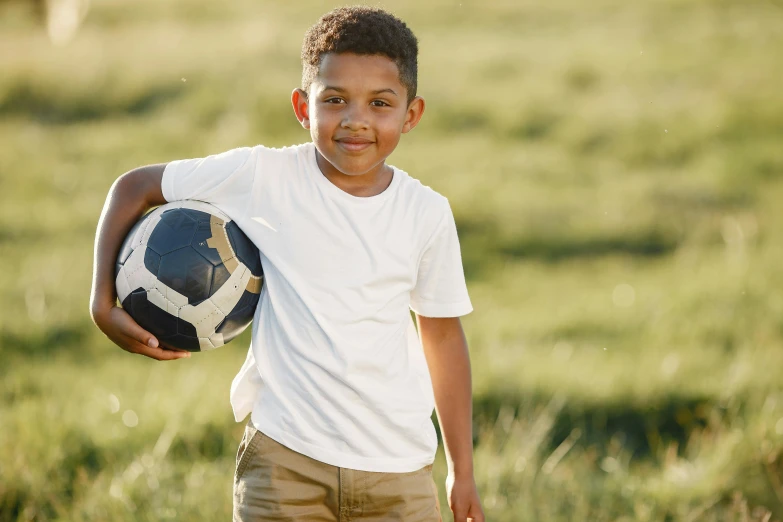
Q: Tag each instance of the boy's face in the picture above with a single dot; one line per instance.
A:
(356, 110)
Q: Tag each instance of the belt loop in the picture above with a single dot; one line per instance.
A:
(341, 503)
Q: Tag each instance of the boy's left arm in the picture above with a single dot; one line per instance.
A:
(447, 356)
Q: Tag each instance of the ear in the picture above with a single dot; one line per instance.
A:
(414, 114)
(301, 107)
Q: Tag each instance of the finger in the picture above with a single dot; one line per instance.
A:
(460, 514)
(131, 328)
(475, 514)
(157, 353)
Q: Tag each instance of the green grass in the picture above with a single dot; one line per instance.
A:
(616, 174)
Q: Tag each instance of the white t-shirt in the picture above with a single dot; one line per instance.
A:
(335, 368)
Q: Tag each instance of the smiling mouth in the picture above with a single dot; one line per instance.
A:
(354, 145)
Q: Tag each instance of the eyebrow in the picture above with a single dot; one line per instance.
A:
(340, 89)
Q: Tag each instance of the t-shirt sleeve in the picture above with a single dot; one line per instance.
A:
(224, 180)
(440, 289)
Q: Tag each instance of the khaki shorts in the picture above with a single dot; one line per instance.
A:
(272, 482)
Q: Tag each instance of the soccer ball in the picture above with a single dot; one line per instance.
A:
(187, 274)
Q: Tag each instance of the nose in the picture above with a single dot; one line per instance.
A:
(355, 118)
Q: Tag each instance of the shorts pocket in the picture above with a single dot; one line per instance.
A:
(247, 447)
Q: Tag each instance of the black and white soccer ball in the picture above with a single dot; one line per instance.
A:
(187, 274)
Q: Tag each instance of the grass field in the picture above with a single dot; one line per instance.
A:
(616, 172)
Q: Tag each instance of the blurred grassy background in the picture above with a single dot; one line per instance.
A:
(616, 172)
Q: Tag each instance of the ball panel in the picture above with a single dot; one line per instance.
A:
(163, 322)
(219, 241)
(240, 316)
(171, 297)
(185, 328)
(126, 302)
(229, 293)
(244, 249)
(234, 327)
(183, 342)
(198, 282)
(176, 217)
(153, 218)
(247, 299)
(156, 321)
(204, 317)
(121, 284)
(151, 260)
(207, 344)
(172, 308)
(164, 326)
(128, 245)
(158, 298)
(236, 322)
(137, 274)
(187, 272)
(220, 275)
(201, 243)
(254, 284)
(217, 340)
(174, 231)
(198, 216)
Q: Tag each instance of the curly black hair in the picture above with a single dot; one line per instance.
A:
(361, 30)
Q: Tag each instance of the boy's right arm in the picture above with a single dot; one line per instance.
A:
(130, 196)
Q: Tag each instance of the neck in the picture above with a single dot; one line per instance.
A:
(369, 184)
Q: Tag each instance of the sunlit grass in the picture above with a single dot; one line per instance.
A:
(615, 170)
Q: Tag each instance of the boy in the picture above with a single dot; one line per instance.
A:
(339, 387)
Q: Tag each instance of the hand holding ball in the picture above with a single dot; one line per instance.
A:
(187, 274)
